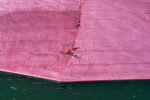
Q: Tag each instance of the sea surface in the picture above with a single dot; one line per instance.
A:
(15, 87)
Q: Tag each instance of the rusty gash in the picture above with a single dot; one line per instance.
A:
(69, 52)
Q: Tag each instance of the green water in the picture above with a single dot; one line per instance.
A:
(13, 87)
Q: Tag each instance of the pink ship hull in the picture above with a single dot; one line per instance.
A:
(114, 39)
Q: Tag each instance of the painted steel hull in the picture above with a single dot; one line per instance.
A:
(113, 39)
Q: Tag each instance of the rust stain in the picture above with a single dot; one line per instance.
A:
(42, 54)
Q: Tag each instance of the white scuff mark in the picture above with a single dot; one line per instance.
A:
(3, 1)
